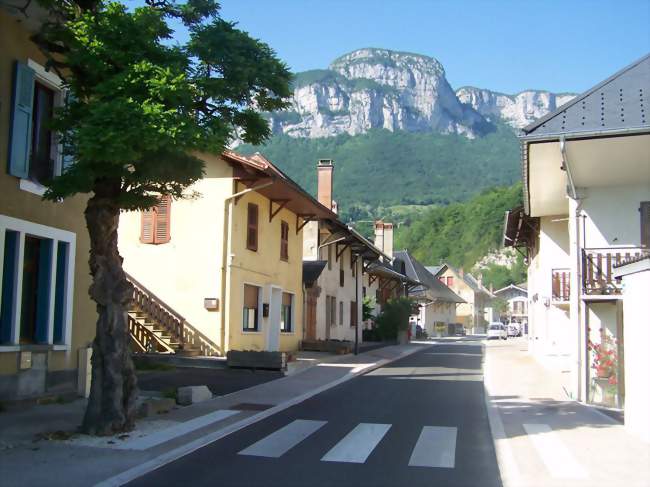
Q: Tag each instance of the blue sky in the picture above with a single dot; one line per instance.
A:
(502, 45)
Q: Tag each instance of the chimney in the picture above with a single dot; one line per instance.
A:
(384, 237)
(325, 181)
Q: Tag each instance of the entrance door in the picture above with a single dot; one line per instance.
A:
(312, 298)
(275, 312)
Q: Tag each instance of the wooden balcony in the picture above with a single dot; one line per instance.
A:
(561, 285)
(598, 266)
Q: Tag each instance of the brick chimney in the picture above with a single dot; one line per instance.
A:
(325, 181)
(384, 237)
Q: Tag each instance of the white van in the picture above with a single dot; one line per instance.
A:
(497, 330)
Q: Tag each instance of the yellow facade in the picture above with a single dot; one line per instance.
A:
(207, 257)
(21, 207)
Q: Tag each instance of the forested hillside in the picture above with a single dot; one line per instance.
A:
(383, 168)
(460, 233)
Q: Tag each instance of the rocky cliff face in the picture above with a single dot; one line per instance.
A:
(517, 110)
(378, 88)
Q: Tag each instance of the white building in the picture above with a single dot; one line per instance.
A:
(586, 208)
(516, 298)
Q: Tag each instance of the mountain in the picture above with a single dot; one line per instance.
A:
(383, 89)
(517, 110)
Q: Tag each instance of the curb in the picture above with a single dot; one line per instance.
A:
(179, 452)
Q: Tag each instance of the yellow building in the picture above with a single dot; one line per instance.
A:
(46, 315)
(228, 260)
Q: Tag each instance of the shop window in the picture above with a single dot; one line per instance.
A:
(251, 308)
(286, 324)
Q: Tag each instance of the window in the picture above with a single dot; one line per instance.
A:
(353, 313)
(286, 324)
(330, 310)
(284, 240)
(329, 257)
(450, 281)
(341, 271)
(340, 313)
(34, 155)
(155, 223)
(251, 316)
(251, 229)
(645, 223)
(37, 279)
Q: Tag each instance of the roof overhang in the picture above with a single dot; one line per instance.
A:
(519, 228)
(595, 161)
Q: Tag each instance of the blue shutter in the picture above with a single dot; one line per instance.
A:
(8, 285)
(44, 286)
(59, 294)
(20, 136)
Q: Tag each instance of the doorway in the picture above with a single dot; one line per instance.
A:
(310, 322)
(275, 315)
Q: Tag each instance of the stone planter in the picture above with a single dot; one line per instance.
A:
(331, 346)
(257, 360)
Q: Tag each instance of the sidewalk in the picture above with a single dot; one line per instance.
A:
(544, 439)
(83, 460)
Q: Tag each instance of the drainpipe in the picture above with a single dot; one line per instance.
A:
(356, 298)
(225, 259)
(573, 195)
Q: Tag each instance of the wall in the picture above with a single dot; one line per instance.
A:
(435, 313)
(188, 268)
(264, 268)
(56, 367)
(613, 215)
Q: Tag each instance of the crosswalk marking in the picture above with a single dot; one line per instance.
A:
(358, 444)
(436, 447)
(559, 461)
(277, 444)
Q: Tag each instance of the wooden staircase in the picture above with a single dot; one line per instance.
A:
(154, 326)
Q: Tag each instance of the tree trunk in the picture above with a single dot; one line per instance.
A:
(113, 390)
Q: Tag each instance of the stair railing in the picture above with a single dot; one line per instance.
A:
(158, 310)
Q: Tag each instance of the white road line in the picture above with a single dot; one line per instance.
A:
(436, 447)
(172, 432)
(277, 444)
(358, 444)
(559, 461)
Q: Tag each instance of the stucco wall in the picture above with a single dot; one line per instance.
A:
(27, 206)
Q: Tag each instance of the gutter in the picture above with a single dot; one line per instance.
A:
(567, 168)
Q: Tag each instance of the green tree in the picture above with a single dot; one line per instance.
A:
(140, 108)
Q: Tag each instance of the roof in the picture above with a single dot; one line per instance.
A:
(430, 284)
(384, 270)
(618, 103)
(511, 286)
(311, 270)
(436, 269)
(470, 280)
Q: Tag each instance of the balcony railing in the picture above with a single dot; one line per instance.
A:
(561, 284)
(598, 266)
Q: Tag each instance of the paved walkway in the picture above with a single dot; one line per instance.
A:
(83, 461)
(544, 439)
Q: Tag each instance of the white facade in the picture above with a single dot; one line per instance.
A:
(436, 313)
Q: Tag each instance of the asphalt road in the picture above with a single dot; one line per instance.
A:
(420, 421)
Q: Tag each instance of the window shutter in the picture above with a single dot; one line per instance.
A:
(162, 217)
(353, 313)
(251, 296)
(251, 230)
(284, 240)
(645, 224)
(20, 138)
(146, 226)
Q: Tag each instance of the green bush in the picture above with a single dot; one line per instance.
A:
(394, 317)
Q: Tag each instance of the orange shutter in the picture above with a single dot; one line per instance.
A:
(163, 220)
(284, 240)
(146, 226)
(251, 230)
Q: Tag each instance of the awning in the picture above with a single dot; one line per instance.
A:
(311, 271)
(519, 229)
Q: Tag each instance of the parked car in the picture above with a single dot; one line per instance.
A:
(514, 330)
(497, 330)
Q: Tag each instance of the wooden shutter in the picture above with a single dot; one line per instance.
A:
(353, 313)
(251, 230)
(286, 299)
(645, 224)
(155, 223)
(20, 138)
(284, 240)
(163, 220)
(251, 296)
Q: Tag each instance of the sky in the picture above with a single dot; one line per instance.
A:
(502, 45)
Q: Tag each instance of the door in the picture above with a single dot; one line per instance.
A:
(275, 313)
(312, 297)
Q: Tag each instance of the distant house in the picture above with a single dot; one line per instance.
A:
(46, 315)
(516, 297)
(586, 212)
(477, 297)
(437, 302)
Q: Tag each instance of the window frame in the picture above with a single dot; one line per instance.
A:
(26, 228)
(252, 226)
(50, 80)
(258, 310)
(290, 330)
